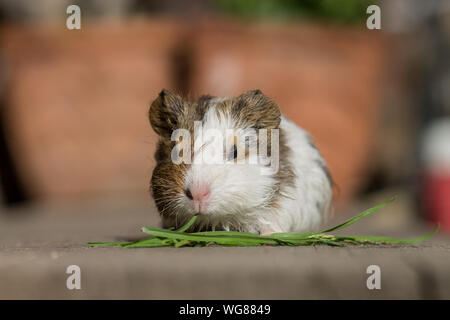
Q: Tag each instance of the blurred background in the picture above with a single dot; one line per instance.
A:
(73, 103)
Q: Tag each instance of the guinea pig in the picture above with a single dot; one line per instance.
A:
(284, 186)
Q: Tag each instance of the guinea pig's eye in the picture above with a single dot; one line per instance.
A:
(233, 153)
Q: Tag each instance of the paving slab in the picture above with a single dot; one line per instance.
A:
(37, 244)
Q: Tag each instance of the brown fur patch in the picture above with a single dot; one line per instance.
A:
(252, 109)
(169, 112)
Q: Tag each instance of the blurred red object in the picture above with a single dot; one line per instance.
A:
(437, 199)
(436, 166)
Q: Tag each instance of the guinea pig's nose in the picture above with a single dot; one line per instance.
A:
(198, 192)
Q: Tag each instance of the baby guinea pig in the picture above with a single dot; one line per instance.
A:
(288, 191)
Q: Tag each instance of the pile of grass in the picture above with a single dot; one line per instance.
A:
(180, 238)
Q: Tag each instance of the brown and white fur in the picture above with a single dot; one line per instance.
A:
(296, 198)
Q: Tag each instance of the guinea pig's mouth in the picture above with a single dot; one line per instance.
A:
(200, 207)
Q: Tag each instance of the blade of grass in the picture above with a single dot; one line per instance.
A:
(182, 243)
(107, 244)
(187, 225)
(360, 216)
(240, 235)
(205, 238)
(148, 242)
(389, 240)
(148, 245)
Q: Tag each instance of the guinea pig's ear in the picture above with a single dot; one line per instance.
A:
(165, 111)
(255, 109)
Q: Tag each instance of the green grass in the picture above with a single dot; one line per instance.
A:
(181, 238)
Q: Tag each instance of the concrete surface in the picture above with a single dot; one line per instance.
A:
(38, 244)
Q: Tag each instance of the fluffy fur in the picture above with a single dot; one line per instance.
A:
(296, 198)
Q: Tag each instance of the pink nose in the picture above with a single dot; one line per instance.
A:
(199, 195)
